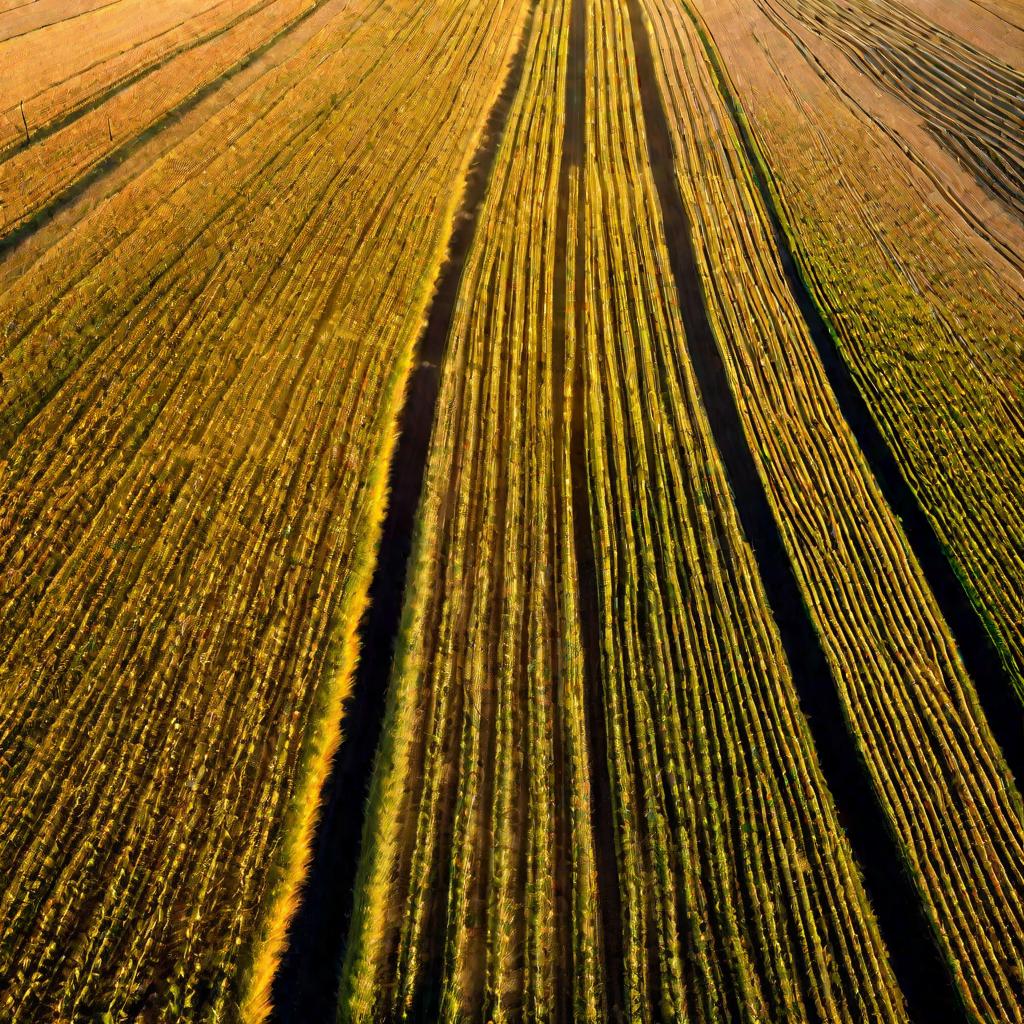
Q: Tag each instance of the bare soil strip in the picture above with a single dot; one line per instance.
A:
(306, 985)
(915, 956)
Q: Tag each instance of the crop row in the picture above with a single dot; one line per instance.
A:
(927, 315)
(477, 887)
(740, 898)
(200, 389)
(946, 792)
(733, 890)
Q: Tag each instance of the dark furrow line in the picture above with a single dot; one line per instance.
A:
(914, 953)
(961, 608)
(62, 200)
(564, 776)
(602, 811)
(42, 132)
(305, 987)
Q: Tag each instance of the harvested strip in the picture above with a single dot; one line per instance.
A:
(986, 28)
(969, 100)
(22, 246)
(51, 58)
(941, 779)
(33, 176)
(18, 17)
(53, 78)
(68, 105)
(191, 484)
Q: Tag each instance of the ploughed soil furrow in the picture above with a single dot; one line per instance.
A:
(914, 953)
(995, 688)
(306, 985)
(62, 200)
(565, 306)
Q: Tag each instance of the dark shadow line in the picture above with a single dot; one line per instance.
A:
(305, 988)
(998, 696)
(916, 960)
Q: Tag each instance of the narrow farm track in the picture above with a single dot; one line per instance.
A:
(192, 483)
(306, 985)
(946, 791)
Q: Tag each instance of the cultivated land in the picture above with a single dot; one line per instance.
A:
(200, 388)
(511, 510)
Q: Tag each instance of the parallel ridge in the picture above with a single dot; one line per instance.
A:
(51, 76)
(941, 779)
(200, 387)
(20, 17)
(930, 329)
(968, 99)
(144, 60)
(740, 898)
(477, 895)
